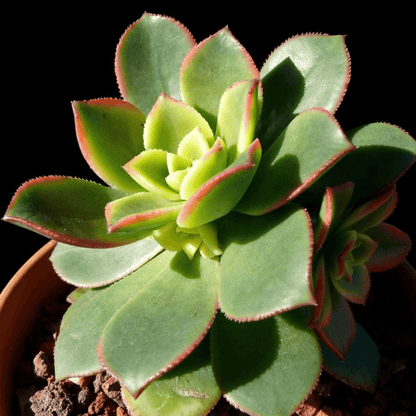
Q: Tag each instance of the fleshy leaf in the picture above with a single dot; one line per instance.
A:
(338, 252)
(188, 389)
(149, 57)
(85, 267)
(210, 68)
(194, 145)
(311, 144)
(321, 314)
(339, 334)
(141, 211)
(334, 204)
(356, 290)
(150, 170)
(76, 293)
(306, 71)
(169, 122)
(76, 346)
(67, 210)
(110, 133)
(266, 367)
(262, 254)
(372, 212)
(384, 153)
(237, 117)
(393, 247)
(219, 195)
(163, 323)
(361, 365)
(203, 169)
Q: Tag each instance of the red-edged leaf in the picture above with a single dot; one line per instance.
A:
(238, 113)
(306, 71)
(356, 289)
(393, 247)
(219, 195)
(335, 202)
(162, 323)
(372, 212)
(149, 57)
(141, 211)
(67, 210)
(311, 144)
(110, 133)
(210, 68)
(339, 334)
(321, 314)
(337, 253)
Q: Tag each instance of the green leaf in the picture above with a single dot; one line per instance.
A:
(210, 68)
(203, 169)
(161, 325)
(356, 290)
(188, 389)
(76, 346)
(334, 204)
(149, 57)
(371, 212)
(76, 293)
(393, 247)
(320, 315)
(311, 144)
(150, 170)
(110, 133)
(143, 211)
(219, 195)
(265, 268)
(87, 267)
(360, 367)
(169, 122)
(306, 71)
(67, 210)
(339, 334)
(384, 153)
(237, 117)
(268, 367)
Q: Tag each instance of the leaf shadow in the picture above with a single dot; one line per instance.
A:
(283, 90)
(187, 268)
(245, 350)
(241, 229)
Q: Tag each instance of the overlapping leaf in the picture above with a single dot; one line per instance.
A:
(68, 210)
(84, 267)
(307, 148)
(162, 323)
(266, 367)
(260, 255)
(110, 133)
(148, 59)
(306, 71)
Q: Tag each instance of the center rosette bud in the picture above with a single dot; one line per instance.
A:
(189, 178)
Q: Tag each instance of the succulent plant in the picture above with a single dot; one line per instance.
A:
(202, 266)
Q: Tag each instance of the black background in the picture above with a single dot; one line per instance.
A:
(54, 55)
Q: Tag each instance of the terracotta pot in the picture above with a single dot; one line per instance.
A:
(20, 304)
(36, 282)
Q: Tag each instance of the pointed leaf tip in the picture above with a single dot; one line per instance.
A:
(219, 195)
(210, 68)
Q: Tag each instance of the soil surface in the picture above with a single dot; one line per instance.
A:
(385, 317)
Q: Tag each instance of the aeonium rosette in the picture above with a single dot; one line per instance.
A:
(351, 241)
(203, 157)
(191, 176)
